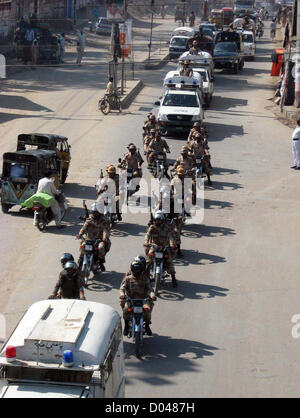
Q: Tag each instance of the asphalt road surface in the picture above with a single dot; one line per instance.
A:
(226, 330)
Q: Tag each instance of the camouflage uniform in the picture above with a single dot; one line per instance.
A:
(155, 146)
(97, 229)
(137, 287)
(187, 72)
(199, 149)
(160, 236)
(193, 51)
(188, 163)
(109, 186)
(69, 288)
(147, 140)
(179, 193)
(194, 132)
(150, 125)
(132, 161)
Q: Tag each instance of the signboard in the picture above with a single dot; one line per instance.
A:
(125, 38)
(115, 10)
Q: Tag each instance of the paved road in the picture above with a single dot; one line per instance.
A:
(226, 330)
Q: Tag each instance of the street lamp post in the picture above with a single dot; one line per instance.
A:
(151, 28)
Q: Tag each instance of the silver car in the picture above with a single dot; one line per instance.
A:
(103, 26)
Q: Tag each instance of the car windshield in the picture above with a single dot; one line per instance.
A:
(248, 38)
(180, 100)
(226, 47)
(211, 27)
(178, 42)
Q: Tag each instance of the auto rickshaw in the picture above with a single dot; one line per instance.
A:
(57, 143)
(21, 173)
(216, 17)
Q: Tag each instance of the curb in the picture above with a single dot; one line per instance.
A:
(131, 95)
(155, 64)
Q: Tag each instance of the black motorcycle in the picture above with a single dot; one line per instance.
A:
(43, 216)
(90, 260)
(137, 323)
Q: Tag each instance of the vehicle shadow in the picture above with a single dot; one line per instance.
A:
(21, 103)
(221, 131)
(224, 185)
(106, 281)
(79, 191)
(189, 290)
(220, 171)
(217, 204)
(165, 356)
(225, 103)
(196, 230)
(197, 257)
(127, 229)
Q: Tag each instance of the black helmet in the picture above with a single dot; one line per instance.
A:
(137, 267)
(141, 259)
(65, 258)
(70, 266)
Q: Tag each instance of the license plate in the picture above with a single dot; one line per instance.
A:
(138, 309)
(89, 248)
(179, 127)
(108, 201)
(159, 255)
(198, 160)
(160, 157)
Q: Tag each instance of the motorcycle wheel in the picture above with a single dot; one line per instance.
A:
(86, 271)
(156, 283)
(5, 207)
(104, 106)
(138, 344)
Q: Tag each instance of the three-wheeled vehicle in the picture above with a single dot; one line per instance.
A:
(64, 349)
(216, 18)
(57, 143)
(21, 173)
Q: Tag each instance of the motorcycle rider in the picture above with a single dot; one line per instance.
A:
(46, 185)
(197, 128)
(110, 183)
(151, 124)
(96, 227)
(273, 28)
(180, 191)
(186, 160)
(136, 285)
(69, 284)
(186, 70)
(65, 257)
(132, 159)
(199, 148)
(160, 235)
(156, 145)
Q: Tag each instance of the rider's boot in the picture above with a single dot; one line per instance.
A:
(126, 328)
(79, 262)
(209, 180)
(148, 329)
(179, 252)
(101, 264)
(174, 281)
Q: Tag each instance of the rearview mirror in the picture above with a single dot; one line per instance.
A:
(119, 160)
(157, 103)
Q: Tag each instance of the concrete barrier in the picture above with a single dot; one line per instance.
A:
(132, 90)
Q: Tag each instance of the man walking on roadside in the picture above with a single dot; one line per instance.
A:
(296, 145)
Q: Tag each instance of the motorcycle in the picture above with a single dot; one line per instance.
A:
(158, 272)
(108, 209)
(158, 169)
(42, 216)
(130, 185)
(259, 32)
(90, 261)
(137, 323)
(272, 33)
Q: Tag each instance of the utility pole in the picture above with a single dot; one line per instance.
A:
(151, 28)
(297, 72)
(74, 11)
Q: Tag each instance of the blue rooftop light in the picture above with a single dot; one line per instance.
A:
(68, 359)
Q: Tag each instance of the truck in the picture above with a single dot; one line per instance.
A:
(244, 5)
(64, 348)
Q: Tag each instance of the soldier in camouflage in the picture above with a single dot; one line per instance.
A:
(136, 285)
(159, 235)
(96, 227)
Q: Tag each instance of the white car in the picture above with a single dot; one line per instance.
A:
(208, 85)
(177, 46)
(249, 44)
(179, 110)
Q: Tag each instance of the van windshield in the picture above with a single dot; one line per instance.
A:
(178, 42)
(248, 38)
(181, 100)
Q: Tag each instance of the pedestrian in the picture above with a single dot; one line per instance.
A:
(81, 39)
(79, 53)
(28, 42)
(62, 47)
(296, 145)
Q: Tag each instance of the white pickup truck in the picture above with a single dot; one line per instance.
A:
(64, 349)
(181, 104)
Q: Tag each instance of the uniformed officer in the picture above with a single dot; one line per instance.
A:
(96, 227)
(186, 70)
(197, 128)
(151, 124)
(136, 285)
(156, 145)
(160, 235)
(195, 49)
(132, 159)
(199, 148)
(186, 160)
(70, 283)
(110, 184)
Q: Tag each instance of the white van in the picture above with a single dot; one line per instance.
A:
(249, 44)
(181, 105)
(64, 349)
(202, 60)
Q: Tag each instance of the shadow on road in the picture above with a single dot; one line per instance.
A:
(199, 258)
(106, 281)
(221, 131)
(195, 231)
(165, 357)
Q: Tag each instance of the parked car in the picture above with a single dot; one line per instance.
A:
(103, 26)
